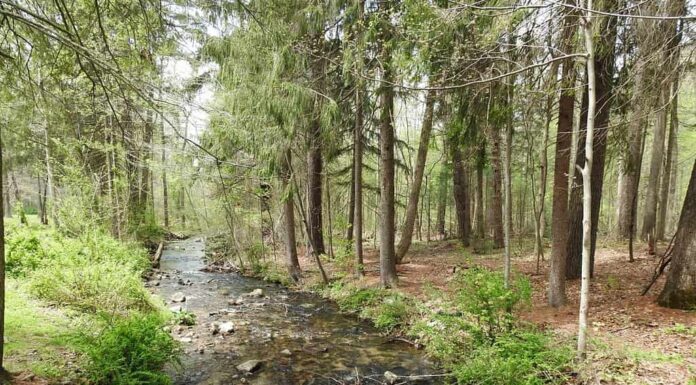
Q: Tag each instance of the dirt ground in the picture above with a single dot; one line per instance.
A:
(635, 341)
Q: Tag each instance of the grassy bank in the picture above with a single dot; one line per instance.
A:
(77, 309)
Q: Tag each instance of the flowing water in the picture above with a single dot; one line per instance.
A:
(300, 338)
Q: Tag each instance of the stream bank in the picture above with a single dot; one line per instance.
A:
(250, 331)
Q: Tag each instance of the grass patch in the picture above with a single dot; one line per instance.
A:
(37, 336)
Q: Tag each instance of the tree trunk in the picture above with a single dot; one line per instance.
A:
(680, 289)
(165, 186)
(658, 149)
(291, 261)
(604, 67)
(587, 182)
(497, 199)
(461, 193)
(351, 200)
(663, 204)
(442, 192)
(507, 191)
(314, 198)
(674, 124)
(414, 194)
(387, 255)
(480, 231)
(559, 219)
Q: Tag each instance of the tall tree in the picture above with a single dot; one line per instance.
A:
(415, 191)
(604, 67)
(559, 219)
(387, 252)
(680, 288)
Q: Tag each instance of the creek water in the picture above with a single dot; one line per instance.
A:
(299, 337)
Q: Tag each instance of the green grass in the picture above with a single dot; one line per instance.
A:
(38, 337)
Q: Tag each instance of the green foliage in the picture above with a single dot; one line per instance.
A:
(353, 298)
(482, 294)
(102, 287)
(390, 313)
(93, 273)
(130, 351)
(184, 317)
(682, 329)
(520, 357)
(23, 251)
(477, 337)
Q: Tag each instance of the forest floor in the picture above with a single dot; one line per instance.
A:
(634, 341)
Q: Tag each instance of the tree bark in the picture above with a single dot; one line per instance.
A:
(680, 289)
(497, 181)
(414, 194)
(291, 261)
(314, 198)
(480, 231)
(351, 200)
(460, 189)
(559, 219)
(387, 254)
(442, 192)
(658, 149)
(604, 69)
(660, 226)
(165, 185)
(587, 182)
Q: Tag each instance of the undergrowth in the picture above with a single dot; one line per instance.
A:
(470, 328)
(100, 311)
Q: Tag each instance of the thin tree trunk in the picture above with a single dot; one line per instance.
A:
(461, 194)
(329, 232)
(351, 200)
(497, 200)
(587, 183)
(674, 125)
(507, 191)
(291, 261)
(414, 195)
(165, 185)
(442, 193)
(479, 212)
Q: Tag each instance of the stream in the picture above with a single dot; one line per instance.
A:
(299, 338)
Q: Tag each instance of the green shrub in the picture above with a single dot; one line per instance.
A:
(184, 317)
(390, 313)
(23, 251)
(130, 351)
(515, 358)
(353, 298)
(101, 287)
(482, 295)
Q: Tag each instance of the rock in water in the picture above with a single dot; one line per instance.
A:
(178, 297)
(249, 366)
(286, 352)
(256, 293)
(390, 377)
(226, 328)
